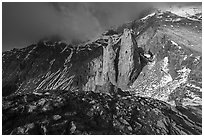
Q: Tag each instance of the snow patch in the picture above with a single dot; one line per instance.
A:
(184, 70)
(174, 43)
(159, 17)
(184, 11)
(165, 64)
(185, 57)
(147, 55)
(193, 19)
(148, 16)
(194, 86)
(197, 57)
(64, 49)
(176, 20)
(165, 79)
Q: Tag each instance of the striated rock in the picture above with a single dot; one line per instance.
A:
(109, 63)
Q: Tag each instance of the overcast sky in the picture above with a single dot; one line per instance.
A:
(26, 23)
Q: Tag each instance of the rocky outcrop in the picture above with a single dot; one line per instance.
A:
(109, 63)
(121, 63)
(129, 63)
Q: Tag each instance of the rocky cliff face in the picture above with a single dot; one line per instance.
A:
(129, 60)
(147, 72)
(121, 62)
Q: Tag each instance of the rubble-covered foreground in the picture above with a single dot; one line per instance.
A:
(62, 112)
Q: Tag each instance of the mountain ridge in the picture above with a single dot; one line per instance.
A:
(155, 57)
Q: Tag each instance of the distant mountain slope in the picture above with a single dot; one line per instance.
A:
(155, 58)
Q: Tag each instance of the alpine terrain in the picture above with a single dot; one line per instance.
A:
(143, 77)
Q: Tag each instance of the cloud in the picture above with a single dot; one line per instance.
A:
(26, 23)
